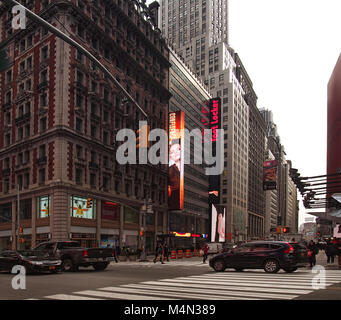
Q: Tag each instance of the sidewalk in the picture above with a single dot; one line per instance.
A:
(321, 259)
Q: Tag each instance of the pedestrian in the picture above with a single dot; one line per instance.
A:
(166, 251)
(114, 250)
(159, 253)
(205, 252)
(330, 251)
(313, 252)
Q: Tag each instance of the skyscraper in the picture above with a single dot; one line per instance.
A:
(193, 26)
(199, 32)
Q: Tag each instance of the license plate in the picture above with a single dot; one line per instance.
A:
(51, 268)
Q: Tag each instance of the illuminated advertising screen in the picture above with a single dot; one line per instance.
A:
(79, 209)
(176, 160)
(269, 175)
(214, 125)
(218, 214)
(44, 204)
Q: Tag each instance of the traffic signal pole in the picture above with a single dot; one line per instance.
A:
(76, 45)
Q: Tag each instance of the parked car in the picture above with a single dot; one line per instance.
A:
(74, 256)
(268, 255)
(33, 262)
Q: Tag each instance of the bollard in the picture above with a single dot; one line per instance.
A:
(173, 254)
(188, 253)
(180, 253)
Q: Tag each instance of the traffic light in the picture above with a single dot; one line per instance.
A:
(141, 233)
(278, 230)
(286, 230)
(21, 230)
(89, 203)
(142, 135)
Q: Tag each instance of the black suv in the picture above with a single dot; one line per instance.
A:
(268, 255)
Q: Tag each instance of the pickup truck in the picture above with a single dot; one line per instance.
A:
(73, 255)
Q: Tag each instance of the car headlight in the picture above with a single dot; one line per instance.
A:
(36, 262)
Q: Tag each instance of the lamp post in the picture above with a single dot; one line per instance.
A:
(147, 207)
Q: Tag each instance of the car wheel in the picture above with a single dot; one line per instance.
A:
(239, 269)
(271, 266)
(67, 265)
(100, 266)
(289, 270)
(219, 266)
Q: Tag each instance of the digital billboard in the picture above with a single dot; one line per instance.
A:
(214, 125)
(176, 160)
(218, 212)
(79, 209)
(218, 215)
(270, 175)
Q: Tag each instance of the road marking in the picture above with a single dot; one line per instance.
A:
(221, 290)
(69, 297)
(170, 294)
(120, 293)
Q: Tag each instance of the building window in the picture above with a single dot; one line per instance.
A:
(44, 53)
(26, 180)
(79, 152)
(42, 124)
(79, 209)
(79, 125)
(43, 207)
(42, 176)
(78, 176)
(93, 180)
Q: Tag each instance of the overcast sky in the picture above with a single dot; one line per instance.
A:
(289, 49)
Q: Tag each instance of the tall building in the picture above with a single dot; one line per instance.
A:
(194, 26)
(199, 32)
(287, 207)
(59, 120)
(271, 204)
(235, 114)
(256, 156)
(190, 96)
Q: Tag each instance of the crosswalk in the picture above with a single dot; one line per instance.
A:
(251, 285)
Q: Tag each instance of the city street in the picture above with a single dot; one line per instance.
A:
(183, 279)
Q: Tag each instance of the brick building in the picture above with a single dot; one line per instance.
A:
(59, 120)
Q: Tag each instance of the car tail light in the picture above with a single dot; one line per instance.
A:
(289, 250)
(85, 253)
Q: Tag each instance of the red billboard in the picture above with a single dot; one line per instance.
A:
(176, 160)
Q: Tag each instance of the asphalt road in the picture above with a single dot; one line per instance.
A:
(181, 279)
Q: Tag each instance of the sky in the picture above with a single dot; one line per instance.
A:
(289, 49)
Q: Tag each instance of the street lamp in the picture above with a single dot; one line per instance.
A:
(147, 207)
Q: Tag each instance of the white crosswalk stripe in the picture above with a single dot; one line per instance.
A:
(253, 285)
